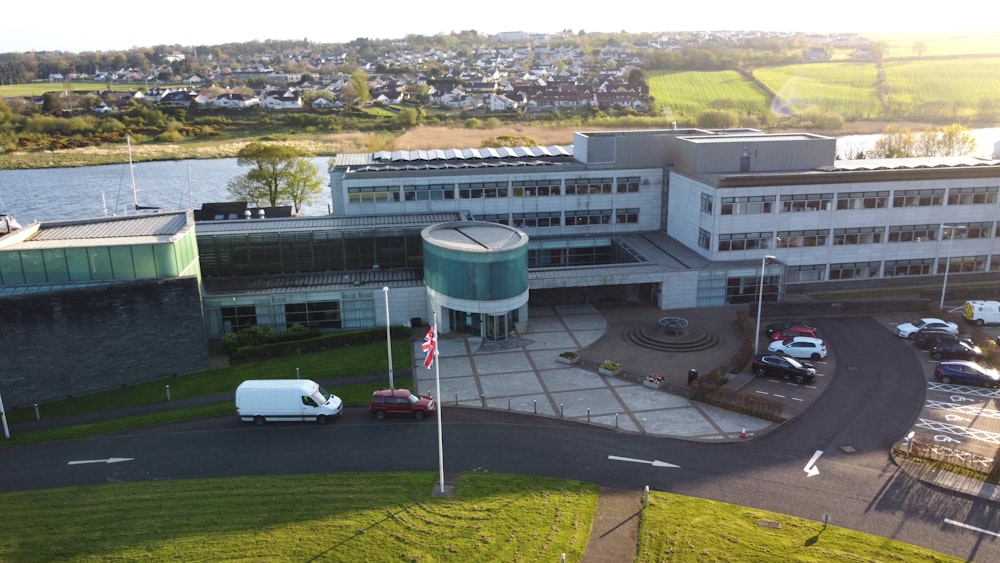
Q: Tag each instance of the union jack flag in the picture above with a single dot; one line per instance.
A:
(429, 346)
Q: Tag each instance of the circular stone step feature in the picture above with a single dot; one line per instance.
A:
(694, 339)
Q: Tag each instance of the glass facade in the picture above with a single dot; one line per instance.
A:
(78, 264)
(476, 276)
(250, 254)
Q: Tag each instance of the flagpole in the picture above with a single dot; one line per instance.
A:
(440, 409)
(388, 337)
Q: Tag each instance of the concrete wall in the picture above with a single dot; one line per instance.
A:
(73, 342)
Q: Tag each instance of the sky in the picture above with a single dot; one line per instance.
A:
(76, 26)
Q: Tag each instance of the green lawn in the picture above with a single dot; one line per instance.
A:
(386, 517)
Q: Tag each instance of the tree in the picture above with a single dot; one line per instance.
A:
(920, 48)
(894, 143)
(359, 83)
(303, 183)
(279, 174)
(406, 117)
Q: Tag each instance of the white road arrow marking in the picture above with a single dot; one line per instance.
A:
(654, 463)
(955, 418)
(810, 468)
(109, 460)
(968, 527)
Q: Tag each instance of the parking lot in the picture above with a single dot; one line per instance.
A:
(958, 417)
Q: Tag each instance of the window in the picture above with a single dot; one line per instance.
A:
(862, 200)
(588, 217)
(796, 239)
(372, 194)
(806, 202)
(477, 190)
(972, 196)
(976, 229)
(535, 188)
(238, 318)
(963, 264)
(707, 201)
(430, 192)
(747, 205)
(808, 273)
(918, 198)
(540, 219)
(627, 215)
(628, 184)
(912, 233)
(704, 239)
(584, 186)
(854, 270)
(744, 241)
(500, 218)
(915, 267)
(858, 235)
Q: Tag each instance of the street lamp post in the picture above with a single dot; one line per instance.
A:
(388, 337)
(760, 301)
(947, 263)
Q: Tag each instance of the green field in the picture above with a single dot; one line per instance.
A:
(846, 88)
(944, 44)
(690, 92)
(958, 86)
(937, 90)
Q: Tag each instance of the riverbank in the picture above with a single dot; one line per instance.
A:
(418, 138)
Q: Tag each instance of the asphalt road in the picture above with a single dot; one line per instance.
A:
(833, 459)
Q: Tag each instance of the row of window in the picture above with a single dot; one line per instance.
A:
(572, 218)
(845, 236)
(492, 190)
(751, 205)
(891, 268)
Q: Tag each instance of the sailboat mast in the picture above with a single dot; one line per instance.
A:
(131, 171)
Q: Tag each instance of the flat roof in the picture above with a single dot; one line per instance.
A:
(155, 228)
(327, 222)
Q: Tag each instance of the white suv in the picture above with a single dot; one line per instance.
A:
(802, 347)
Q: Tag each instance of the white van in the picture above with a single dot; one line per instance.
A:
(261, 400)
(982, 312)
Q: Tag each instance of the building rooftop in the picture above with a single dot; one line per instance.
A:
(155, 228)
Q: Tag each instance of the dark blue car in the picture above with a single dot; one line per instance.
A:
(967, 373)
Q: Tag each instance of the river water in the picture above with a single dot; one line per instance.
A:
(53, 194)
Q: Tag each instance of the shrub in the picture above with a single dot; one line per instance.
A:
(610, 366)
(568, 355)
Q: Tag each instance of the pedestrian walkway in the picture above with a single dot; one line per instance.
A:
(524, 374)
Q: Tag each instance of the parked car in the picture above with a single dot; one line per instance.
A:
(960, 350)
(802, 347)
(906, 330)
(781, 366)
(779, 327)
(968, 373)
(400, 402)
(925, 339)
(795, 331)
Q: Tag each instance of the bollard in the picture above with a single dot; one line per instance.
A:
(535, 406)
(456, 398)
(508, 403)
(482, 399)
(645, 497)
(588, 414)
(561, 410)
(692, 375)
(644, 426)
(168, 392)
(38, 415)
(297, 373)
(616, 420)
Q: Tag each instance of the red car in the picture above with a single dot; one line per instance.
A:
(400, 402)
(794, 331)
